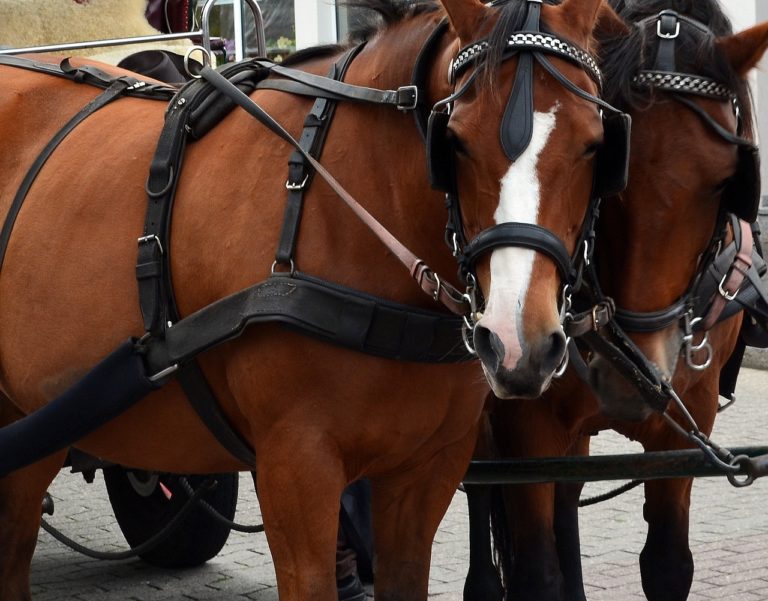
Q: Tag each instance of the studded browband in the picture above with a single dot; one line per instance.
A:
(533, 41)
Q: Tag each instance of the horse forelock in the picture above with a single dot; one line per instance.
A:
(621, 58)
(511, 18)
(378, 15)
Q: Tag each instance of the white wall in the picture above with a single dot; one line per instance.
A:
(315, 22)
(744, 14)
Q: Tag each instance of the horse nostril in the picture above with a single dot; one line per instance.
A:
(553, 351)
(489, 348)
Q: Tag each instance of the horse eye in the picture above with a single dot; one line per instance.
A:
(457, 144)
(592, 149)
(720, 188)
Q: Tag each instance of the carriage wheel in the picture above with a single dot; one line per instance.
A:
(142, 509)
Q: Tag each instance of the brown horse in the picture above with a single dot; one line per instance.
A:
(654, 241)
(317, 416)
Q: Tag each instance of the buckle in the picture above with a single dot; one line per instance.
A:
(151, 238)
(667, 36)
(724, 293)
(289, 185)
(407, 98)
(163, 373)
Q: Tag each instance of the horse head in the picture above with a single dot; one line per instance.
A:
(522, 136)
(682, 77)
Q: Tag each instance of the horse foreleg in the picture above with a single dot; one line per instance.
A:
(567, 538)
(21, 500)
(483, 580)
(407, 509)
(666, 562)
(567, 495)
(300, 480)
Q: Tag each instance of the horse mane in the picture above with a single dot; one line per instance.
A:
(375, 17)
(623, 57)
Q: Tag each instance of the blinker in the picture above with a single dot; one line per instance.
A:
(742, 194)
(612, 161)
(440, 153)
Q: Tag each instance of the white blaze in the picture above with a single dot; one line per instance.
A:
(511, 266)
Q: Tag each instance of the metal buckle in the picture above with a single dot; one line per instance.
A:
(163, 373)
(724, 293)
(667, 36)
(436, 293)
(289, 185)
(411, 106)
(595, 319)
(151, 238)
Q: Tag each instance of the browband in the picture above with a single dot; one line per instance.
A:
(533, 41)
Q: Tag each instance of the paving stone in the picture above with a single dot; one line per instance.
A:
(728, 535)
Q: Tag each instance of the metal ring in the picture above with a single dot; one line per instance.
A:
(206, 60)
(564, 363)
(466, 327)
(704, 346)
(275, 263)
(743, 461)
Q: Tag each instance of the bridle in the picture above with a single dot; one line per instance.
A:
(530, 44)
(722, 269)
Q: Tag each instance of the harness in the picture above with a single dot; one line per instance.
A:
(302, 302)
(730, 277)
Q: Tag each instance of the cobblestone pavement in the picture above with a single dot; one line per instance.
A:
(729, 538)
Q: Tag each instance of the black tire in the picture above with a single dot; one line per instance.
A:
(142, 509)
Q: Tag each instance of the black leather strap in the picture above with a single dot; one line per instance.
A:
(625, 357)
(420, 77)
(651, 321)
(517, 122)
(309, 84)
(92, 76)
(318, 308)
(204, 402)
(300, 174)
(667, 30)
(115, 90)
(153, 243)
(526, 235)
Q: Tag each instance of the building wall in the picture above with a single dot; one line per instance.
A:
(744, 14)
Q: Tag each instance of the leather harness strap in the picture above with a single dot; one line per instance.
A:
(113, 88)
(300, 175)
(429, 282)
(731, 283)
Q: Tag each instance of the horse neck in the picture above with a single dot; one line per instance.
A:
(391, 151)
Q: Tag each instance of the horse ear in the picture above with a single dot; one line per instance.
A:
(465, 17)
(579, 16)
(745, 49)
